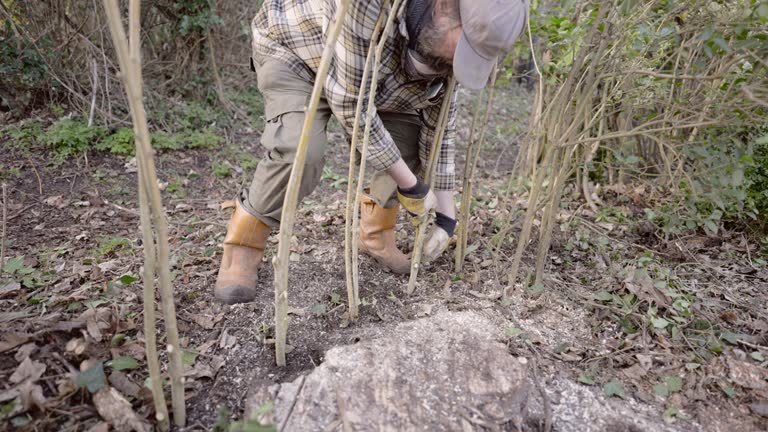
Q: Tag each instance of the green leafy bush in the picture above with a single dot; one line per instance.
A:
(70, 137)
(165, 141)
(204, 139)
(120, 143)
(23, 70)
(24, 135)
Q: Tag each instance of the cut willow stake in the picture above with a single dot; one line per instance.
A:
(151, 212)
(150, 329)
(281, 260)
(525, 234)
(434, 152)
(350, 233)
(473, 155)
(459, 253)
(5, 220)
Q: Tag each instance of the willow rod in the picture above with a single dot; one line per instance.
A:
(421, 230)
(150, 262)
(281, 261)
(350, 233)
(459, 253)
(130, 66)
(473, 155)
(525, 234)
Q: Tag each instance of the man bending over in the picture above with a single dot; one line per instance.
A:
(432, 39)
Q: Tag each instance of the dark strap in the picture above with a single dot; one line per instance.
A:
(417, 191)
(447, 224)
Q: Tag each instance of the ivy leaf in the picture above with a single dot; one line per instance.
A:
(14, 264)
(673, 383)
(188, 358)
(729, 391)
(762, 10)
(128, 279)
(92, 378)
(758, 356)
(319, 309)
(661, 390)
(659, 323)
(513, 332)
(729, 337)
(8, 408)
(711, 226)
(614, 387)
(124, 362)
(603, 296)
(586, 378)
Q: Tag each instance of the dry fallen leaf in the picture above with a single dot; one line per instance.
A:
(201, 370)
(56, 201)
(99, 427)
(93, 329)
(107, 266)
(11, 393)
(227, 341)
(77, 346)
(133, 349)
(748, 375)
(206, 346)
(9, 288)
(28, 370)
(207, 320)
(32, 396)
(8, 317)
(122, 383)
(117, 411)
(25, 351)
(297, 311)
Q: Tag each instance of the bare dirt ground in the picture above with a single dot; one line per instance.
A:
(71, 294)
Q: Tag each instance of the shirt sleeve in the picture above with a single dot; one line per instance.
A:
(345, 78)
(445, 171)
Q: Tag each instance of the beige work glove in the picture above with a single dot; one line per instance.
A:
(418, 200)
(438, 237)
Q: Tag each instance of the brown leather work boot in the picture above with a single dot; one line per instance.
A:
(377, 236)
(243, 251)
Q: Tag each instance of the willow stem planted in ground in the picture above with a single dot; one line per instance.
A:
(473, 155)
(421, 230)
(350, 232)
(157, 254)
(281, 260)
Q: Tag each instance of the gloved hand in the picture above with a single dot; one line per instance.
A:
(438, 237)
(417, 200)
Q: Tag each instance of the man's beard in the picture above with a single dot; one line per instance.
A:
(430, 38)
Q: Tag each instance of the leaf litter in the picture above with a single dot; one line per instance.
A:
(66, 304)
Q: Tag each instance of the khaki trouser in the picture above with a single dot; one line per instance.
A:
(286, 95)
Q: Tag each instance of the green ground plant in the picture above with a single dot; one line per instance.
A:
(71, 137)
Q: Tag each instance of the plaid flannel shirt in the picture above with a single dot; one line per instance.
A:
(294, 32)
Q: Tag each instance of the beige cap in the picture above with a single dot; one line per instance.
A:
(489, 29)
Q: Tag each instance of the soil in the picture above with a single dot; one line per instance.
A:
(59, 218)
